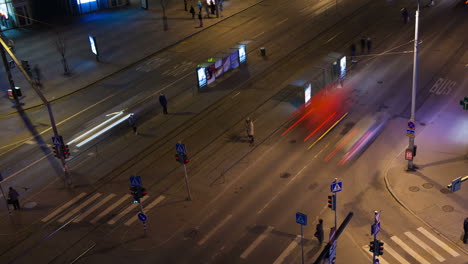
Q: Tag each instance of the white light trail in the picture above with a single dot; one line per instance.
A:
(103, 131)
(96, 127)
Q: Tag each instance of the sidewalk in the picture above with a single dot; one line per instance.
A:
(124, 37)
(441, 157)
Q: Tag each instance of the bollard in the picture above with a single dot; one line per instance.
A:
(262, 51)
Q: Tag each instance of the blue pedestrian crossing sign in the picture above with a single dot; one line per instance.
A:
(142, 217)
(57, 141)
(301, 218)
(180, 148)
(336, 187)
(135, 181)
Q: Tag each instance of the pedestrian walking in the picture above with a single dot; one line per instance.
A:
(201, 19)
(249, 126)
(13, 198)
(220, 3)
(199, 4)
(465, 228)
(163, 102)
(37, 75)
(11, 45)
(207, 9)
(363, 44)
(185, 5)
(353, 50)
(192, 11)
(213, 7)
(319, 231)
(369, 44)
(405, 15)
(133, 124)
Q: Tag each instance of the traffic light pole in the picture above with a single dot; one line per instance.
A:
(187, 184)
(45, 102)
(415, 83)
(145, 227)
(336, 204)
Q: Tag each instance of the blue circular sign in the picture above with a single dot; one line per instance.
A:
(411, 125)
(142, 217)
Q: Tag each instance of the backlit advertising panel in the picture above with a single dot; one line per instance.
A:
(343, 67)
(242, 54)
(201, 74)
(234, 59)
(92, 43)
(219, 70)
(210, 74)
(307, 92)
(227, 62)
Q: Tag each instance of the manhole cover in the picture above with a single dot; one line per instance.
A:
(292, 141)
(191, 233)
(444, 190)
(447, 208)
(380, 82)
(414, 188)
(285, 175)
(428, 185)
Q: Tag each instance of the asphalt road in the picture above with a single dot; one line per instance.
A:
(245, 197)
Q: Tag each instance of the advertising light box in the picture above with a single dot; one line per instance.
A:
(201, 75)
(307, 92)
(92, 43)
(242, 54)
(343, 67)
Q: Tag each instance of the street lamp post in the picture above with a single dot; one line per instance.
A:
(411, 165)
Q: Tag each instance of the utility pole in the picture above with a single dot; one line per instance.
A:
(411, 166)
(376, 246)
(45, 102)
(9, 77)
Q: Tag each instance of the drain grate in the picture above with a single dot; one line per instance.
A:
(447, 208)
(414, 188)
(428, 185)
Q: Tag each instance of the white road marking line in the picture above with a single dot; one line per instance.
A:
(235, 95)
(92, 209)
(201, 242)
(110, 208)
(321, 150)
(259, 34)
(381, 260)
(332, 38)
(288, 250)
(438, 242)
(425, 246)
(77, 209)
(409, 250)
(151, 205)
(63, 207)
(257, 241)
(282, 21)
(395, 255)
(126, 211)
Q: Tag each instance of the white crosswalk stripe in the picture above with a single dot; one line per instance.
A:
(79, 207)
(94, 208)
(288, 250)
(126, 211)
(63, 207)
(408, 249)
(110, 208)
(438, 242)
(256, 242)
(395, 255)
(148, 207)
(425, 246)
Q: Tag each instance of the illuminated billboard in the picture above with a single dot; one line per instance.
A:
(242, 54)
(84, 1)
(201, 75)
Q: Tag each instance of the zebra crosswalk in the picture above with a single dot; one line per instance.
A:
(96, 207)
(421, 247)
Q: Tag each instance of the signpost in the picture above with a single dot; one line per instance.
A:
(332, 241)
(181, 156)
(301, 219)
(135, 181)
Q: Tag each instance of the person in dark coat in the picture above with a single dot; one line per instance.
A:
(201, 19)
(163, 100)
(405, 15)
(369, 44)
(363, 44)
(213, 7)
(133, 124)
(249, 126)
(192, 11)
(319, 231)
(13, 198)
(465, 228)
(353, 50)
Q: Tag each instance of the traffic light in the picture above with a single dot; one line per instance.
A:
(372, 246)
(66, 151)
(179, 158)
(135, 193)
(185, 159)
(56, 152)
(332, 202)
(380, 248)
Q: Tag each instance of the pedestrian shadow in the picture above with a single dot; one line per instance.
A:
(313, 252)
(233, 138)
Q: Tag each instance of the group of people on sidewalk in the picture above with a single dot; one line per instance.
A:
(366, 42)
(210, 8)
